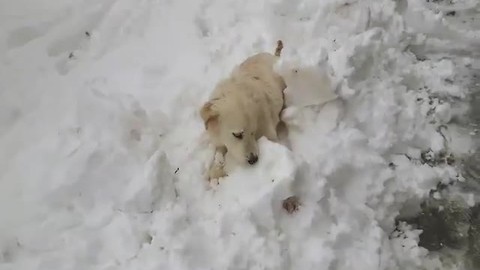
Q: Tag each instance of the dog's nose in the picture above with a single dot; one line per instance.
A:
(252, 159)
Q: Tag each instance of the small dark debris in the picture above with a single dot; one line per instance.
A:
(87, 33)
(70, 56)
(273, 180)
(427, 157)
(450, 159)
(256, 77)
(148, 238)
(176, 170)
(291, 204)
(451, 13)
(392, 165)
(450, 81)
(419, 99)
(441, 186)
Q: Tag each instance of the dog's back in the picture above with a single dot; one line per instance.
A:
(257, 69)
(260, 67)
(254, 80)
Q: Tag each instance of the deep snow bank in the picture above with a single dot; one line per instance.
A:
(103, 154)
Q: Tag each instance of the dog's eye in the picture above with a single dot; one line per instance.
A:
(238, 135)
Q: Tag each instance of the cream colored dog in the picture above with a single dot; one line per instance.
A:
(243, 108)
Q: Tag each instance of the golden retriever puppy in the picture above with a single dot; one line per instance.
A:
(243, 108)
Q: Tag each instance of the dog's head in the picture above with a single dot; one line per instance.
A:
(231, 127)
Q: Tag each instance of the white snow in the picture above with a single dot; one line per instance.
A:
(103, 155)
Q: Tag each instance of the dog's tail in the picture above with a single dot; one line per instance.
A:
(279, 48)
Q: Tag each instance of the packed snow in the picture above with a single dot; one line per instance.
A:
(103, 155)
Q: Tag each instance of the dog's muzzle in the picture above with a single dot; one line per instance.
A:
(252, 159)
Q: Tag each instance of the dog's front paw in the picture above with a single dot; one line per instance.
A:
(215, 173)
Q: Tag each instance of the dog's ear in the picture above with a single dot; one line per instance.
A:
(209, 114)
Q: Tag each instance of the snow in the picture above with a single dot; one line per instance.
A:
(103, 156)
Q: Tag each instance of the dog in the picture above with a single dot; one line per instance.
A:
(243, 108)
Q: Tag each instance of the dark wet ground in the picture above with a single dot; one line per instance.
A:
(471, 172)
(450, 224)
